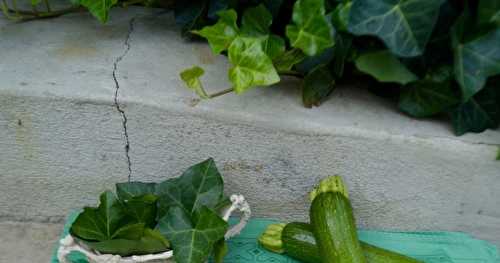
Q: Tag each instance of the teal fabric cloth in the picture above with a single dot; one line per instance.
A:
(430, 247)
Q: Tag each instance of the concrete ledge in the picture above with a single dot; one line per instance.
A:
(66, 121)
(28, 242)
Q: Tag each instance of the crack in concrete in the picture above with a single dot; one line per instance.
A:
(117, 88)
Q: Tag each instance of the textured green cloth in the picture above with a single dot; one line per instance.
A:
(430, 247)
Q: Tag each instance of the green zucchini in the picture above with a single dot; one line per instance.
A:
(334, 229)
(298, 242)
(330, 184)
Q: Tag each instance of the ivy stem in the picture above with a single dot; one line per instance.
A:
(35, 10)
(14, 6)
(7, 11)
(220, 93)
(47, 5)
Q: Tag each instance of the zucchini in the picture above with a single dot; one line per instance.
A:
(334, 229)
(379, 255)
(298, 242)
(330, 184)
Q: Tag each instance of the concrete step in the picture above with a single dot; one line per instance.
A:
(84, 105)
(28, 242)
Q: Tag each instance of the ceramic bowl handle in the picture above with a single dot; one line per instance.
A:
(238, 203)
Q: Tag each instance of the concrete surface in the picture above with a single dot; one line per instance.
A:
(74, 94)
(28, 242)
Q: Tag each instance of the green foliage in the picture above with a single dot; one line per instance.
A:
(479, 113)
(475, 61)
(340, 16)
(192, 236)
(401, 44)
(221, 249)
(318, 84)
(191, 77)
(311, 31)
(488, 11)
(385, 67)
(127, 191)
(100, 223)
(99, 8)
(287, 60)
(440, 53)
(405, 26)
(222, 34)
(256, 22)
(200, 185)
(251, 65)
(426, 98)
(142, 209)
(179, 213)
(150, 242)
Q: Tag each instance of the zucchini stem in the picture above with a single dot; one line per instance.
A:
(330, 184)
(271, 238)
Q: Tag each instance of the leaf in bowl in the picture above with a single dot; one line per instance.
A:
(151, 243)
(142, 209)
(200, 185)
(192, 237)
(99, 223)
(126, 191)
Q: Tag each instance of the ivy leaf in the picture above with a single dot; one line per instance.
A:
(441, 73)
(273, 45)
(142, 209)
(318, 84)
(131, 232)
(256, 21)
(343, 44)
(216, 6)
(189, 14)
(222, 34)
(126, 191)
(35, 2)
(191, 77)
(170, 194)
(251, 65)
(151, 242)
(488, 11)
(475, 60)
(99, 8)
(340, 16)
(425, 98)
(311, 30)
(479, 113)
(404, 26)
(309, 63)
(200, 185)
(287, 60)
(99, 223)
(192, 238)
(273, 6)
(384, 67)
(220, 250)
